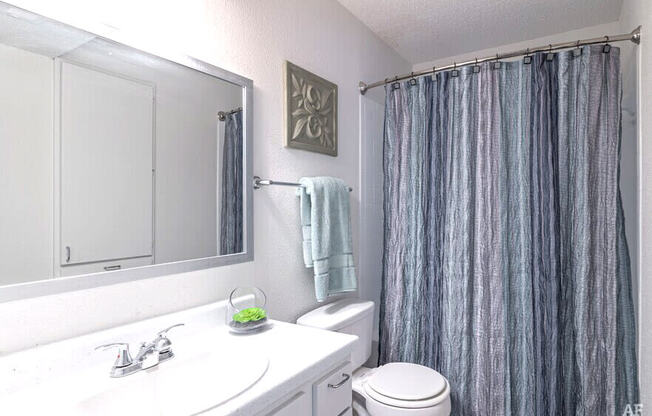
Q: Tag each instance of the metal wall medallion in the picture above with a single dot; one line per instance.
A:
(310, 111)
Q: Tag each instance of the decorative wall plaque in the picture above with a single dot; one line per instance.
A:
(310, 111)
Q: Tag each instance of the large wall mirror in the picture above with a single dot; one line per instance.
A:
(116, 164)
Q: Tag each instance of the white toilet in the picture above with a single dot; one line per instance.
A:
(394, 389)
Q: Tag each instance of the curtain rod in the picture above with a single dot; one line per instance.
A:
(634, 36)
(221, 115)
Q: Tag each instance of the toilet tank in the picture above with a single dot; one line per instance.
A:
(349, 316)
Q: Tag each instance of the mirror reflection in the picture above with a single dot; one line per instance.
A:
(111, 158)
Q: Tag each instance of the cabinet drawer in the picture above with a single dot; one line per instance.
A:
(299, 404)
(332, 394)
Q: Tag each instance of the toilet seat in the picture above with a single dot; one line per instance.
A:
(407, 385)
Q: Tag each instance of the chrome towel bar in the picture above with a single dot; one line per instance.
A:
(258, 183)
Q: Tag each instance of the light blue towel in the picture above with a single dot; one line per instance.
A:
(327, 242)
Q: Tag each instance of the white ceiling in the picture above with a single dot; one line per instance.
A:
(425, 30)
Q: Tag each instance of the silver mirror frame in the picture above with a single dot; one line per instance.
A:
(88, 281)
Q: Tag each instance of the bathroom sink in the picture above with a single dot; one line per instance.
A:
(184, 385)
(189, 387)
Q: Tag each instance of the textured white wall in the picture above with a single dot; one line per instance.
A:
(634, 13)
(251, 38)
(372, 113)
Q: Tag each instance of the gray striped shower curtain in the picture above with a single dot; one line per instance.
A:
(231, 211)
(505, 261)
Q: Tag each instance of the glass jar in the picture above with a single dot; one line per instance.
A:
(245, 310)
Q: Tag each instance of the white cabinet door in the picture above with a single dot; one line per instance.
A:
(106, 133)
(298, 405)
(332, 394)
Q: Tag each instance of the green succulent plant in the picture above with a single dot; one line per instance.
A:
(250, 315)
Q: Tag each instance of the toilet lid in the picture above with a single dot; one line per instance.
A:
(406, 381)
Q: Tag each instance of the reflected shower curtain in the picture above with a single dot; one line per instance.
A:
(231, 195)
(505, 264)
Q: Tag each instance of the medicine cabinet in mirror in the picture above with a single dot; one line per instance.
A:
(116, 164)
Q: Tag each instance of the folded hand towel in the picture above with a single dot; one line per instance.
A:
(327, 242)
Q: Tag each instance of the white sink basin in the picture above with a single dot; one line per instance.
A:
(188, 384)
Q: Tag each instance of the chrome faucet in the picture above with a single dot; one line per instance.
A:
(149, 355)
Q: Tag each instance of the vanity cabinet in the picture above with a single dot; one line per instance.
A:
(329, 395)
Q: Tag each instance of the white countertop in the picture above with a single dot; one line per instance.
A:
(297, 355)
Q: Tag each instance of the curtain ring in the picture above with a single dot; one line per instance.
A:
(606, 48)
(396, 85)
(528, 59)
(497, 63)
(476, 67)
(413, 80)
(549, 56)
(578, 49)
(455, 72)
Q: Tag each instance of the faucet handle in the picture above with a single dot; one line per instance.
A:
(124, 358)
(164, 332)
(163, 344)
